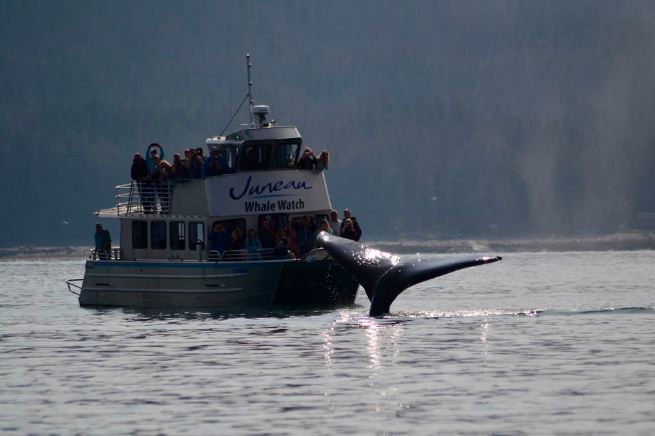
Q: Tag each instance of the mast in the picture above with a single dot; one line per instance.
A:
(249, 97)
(251, 101)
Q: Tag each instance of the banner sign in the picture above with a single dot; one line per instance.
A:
(254, 193)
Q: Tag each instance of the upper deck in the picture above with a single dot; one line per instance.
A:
(257, 171)
(229, 195)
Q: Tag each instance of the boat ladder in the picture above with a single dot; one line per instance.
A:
(73, 287)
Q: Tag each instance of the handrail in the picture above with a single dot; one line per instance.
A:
(113, 254)
(145, 197)
(260, 254)
(153, 197)
(213, 256)
(71, 285)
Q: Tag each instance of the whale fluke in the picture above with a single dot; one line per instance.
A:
(383, 275)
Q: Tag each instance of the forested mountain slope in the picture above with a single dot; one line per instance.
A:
(451, 118)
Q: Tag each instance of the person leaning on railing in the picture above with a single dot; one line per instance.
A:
(307, 160)
(323, 161)
(354, 231)
(180, 171)
(193, 163)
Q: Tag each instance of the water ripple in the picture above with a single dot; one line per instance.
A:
(519, 350)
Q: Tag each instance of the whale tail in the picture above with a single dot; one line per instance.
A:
(383, 275)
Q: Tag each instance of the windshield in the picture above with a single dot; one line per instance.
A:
(285, 155)
(227, 155)
(261, 156)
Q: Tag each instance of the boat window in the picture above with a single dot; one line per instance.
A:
(178, 239)
(158, 235)
(230, 225)
(256, 157)
(139, 234)
(227, 157)
(235, 225)
(196, 235)
(276, 221)
(286, 155)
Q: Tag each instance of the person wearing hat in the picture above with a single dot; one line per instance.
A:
(103, 243)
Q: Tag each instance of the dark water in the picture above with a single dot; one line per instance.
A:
(537, 344)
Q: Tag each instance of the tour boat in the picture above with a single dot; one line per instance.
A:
(165, 258)
(168, 256)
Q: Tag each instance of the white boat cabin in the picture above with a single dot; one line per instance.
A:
(259, 185)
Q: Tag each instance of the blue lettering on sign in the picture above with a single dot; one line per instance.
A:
(268, 189)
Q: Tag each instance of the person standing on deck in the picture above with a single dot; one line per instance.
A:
(305, 230)
(335, 223)
(180, 171)
(215, 164)
(266, 235)
(253, 245)
(139, 173)
(308, 160)
(103, 243)
(219, 238)
(149, 185)
(163, 185)
(347, 215)
(348, 231)
(153, 151)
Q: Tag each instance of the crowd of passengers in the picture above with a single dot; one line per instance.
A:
(152, 174)
(297, 236)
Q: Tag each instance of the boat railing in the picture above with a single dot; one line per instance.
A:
(145, 197)
(261, 254)
(113, 254)
(213, 255)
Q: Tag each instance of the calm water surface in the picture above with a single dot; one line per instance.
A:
(537, 344)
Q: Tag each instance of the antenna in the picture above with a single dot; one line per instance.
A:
(249, 98)
(251, 101)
